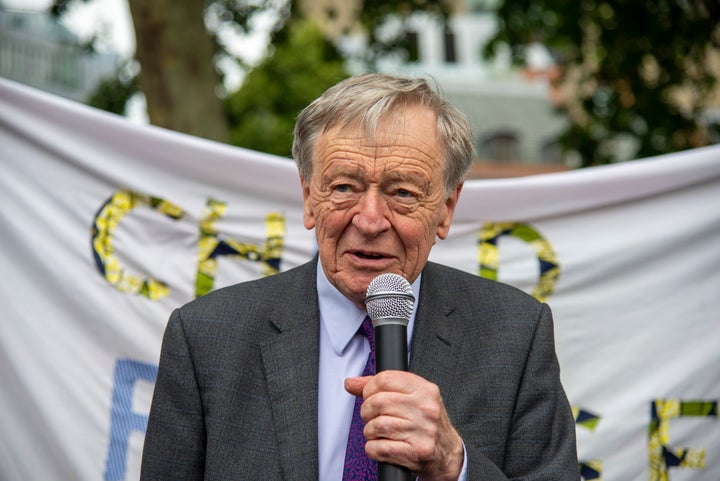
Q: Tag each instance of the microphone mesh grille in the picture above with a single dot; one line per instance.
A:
(389, 296)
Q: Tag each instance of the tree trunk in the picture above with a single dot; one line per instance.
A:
(177, 73)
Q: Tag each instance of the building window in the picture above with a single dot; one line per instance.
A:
(450, 54)
(412, 43)
(501, 146)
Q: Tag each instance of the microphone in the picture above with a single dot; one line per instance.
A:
(389, 301)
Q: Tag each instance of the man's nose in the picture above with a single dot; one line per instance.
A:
(373, 216)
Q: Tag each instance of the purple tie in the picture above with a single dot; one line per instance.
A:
(357, 464)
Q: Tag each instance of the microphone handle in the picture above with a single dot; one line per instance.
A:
(391, 347)
(391, 355)
(390, 472)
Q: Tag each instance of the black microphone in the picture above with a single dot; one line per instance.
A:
(389, 301)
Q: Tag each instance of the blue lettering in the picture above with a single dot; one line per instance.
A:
(123, 421)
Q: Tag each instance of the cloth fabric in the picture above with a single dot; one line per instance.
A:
(237, 388)
(358, 466)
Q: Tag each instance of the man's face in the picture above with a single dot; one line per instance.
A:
(378, 206)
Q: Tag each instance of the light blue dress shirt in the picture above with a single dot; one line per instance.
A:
(343, 353)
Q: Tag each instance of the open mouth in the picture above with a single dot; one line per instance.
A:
(368, 255)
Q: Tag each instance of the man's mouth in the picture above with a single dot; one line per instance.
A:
(368, 255)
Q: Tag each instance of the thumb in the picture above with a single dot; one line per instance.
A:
(355, 385)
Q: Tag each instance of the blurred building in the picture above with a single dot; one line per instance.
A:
(36, 50)
(510, 108)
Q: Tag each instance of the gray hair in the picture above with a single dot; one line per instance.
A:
(365, 100)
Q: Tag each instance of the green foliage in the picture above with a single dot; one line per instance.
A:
(634, 69)
(240, 16)
(112, 94)
(262, 113)
(374, 12)
(301, 63)
(59, 7)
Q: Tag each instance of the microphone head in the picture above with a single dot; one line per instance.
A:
(389, 300)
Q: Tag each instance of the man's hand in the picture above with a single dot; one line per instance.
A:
(407, 424)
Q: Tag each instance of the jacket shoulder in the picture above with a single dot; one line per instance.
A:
(473, 288)
(268, 297)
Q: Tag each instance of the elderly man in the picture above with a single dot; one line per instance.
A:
(259, 380)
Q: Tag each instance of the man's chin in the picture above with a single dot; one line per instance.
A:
(354, 286)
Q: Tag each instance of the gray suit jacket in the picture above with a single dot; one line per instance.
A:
(236, 392)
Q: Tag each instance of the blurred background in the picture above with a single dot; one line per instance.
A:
(548, 85)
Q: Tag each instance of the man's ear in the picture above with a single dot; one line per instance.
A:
(308, 213)
(443, 228)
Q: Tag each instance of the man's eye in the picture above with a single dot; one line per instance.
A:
(342, 188)
(406, 194)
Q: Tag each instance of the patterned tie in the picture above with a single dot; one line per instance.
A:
(357, 464)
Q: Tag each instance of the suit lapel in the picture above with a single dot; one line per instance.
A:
(435, 345)
(291, 361)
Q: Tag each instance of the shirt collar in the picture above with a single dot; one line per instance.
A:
(341, 318)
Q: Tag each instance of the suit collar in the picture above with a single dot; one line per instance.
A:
(290, 361)
(435, 340)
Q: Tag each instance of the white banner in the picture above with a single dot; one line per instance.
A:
(107, 226)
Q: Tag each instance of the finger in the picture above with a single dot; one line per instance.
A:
(390, 451)
(390, 427)
(394, 381)
(387, 403)
(401, 394)
(426, 450)
(356, 385)
(411, 428)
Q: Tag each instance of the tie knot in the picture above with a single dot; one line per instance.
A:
(367, 330)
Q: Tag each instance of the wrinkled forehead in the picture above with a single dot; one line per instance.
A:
(374, 125)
